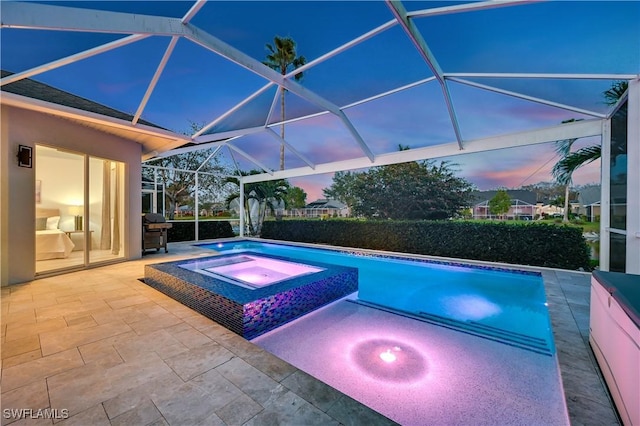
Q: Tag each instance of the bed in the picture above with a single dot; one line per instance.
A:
(51, 242)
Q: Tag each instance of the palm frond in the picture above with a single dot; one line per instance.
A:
(563, 169)
(615, 92)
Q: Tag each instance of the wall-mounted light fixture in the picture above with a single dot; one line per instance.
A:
(24, 156)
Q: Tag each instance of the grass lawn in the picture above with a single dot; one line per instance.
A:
(586, 226)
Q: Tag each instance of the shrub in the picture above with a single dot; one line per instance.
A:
(186, 231)
(535, 244)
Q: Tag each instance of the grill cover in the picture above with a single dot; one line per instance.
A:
(154, 232)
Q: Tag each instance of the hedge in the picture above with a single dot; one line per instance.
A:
(186, 231)
(534, 244)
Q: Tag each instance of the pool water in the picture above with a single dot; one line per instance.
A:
(501, 305)
(250, 271)
(423, 342)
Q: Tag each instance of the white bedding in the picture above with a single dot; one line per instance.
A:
(52, 244)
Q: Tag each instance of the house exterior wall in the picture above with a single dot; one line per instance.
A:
(17, 202)
(482, 212)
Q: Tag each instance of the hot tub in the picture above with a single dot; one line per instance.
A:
(252, 293)
(250, 271)
(615, 338)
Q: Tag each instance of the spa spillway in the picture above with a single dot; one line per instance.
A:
(251, 293)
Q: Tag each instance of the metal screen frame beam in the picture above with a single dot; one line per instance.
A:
(576, 129)
(398, 10)
(72, 58)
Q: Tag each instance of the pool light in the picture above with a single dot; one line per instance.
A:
(387, 356)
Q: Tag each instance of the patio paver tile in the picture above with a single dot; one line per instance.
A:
(316, 392)
(104, 348)
(142, 413)
(220, 389)
(289, 408)
(18, 331)
(161, 342)
(585, 411)
(11, 348)
(349, 412)
(199, 322)
(239, 411)
(198, 360)
(31, 396)
(149, 325)
(82, 320)
(22, 358)
(190, 337)
(128, 315)
(161, 386)
(14, 314)
(28, 372)
(71, 337)
(188, 405)
(94, 416)
(257, 385)
(76, 307)
(270, 365)
(124, 302)
(83, 387)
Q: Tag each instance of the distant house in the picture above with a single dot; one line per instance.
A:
(523, 205)
(321, 207)
(589, 203)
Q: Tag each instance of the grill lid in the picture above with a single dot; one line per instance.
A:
(153, 218)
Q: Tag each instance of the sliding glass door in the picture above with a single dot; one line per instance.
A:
(59, 197)
(106, 209)
(79, 210)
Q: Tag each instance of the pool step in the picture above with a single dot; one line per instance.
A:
(511, 338)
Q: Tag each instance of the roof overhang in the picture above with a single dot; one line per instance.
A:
(154, 140)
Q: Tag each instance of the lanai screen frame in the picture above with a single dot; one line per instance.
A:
(138, 27)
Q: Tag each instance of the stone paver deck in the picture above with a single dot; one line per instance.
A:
(101, 348)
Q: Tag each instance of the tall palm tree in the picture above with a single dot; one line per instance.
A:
(570, 161)
(282, 57)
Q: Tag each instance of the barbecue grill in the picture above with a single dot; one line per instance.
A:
(154, 232)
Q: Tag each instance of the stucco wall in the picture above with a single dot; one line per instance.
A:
(17, 204)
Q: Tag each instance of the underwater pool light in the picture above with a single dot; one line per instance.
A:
(387, 356)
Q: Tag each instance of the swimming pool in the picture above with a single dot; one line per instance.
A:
(425, 342)
(504, 305)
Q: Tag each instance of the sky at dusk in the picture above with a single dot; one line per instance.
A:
(198, 85)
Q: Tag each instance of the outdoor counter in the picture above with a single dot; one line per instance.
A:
(615, 338)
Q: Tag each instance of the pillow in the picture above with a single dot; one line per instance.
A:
(41, 223)
(52, 222)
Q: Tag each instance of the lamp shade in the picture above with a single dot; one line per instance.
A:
(76, 210)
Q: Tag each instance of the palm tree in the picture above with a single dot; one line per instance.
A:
(263, 196)
(282, 56)
(570, 161)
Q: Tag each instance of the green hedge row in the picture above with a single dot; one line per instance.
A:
(186, 231)
(524, 244)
